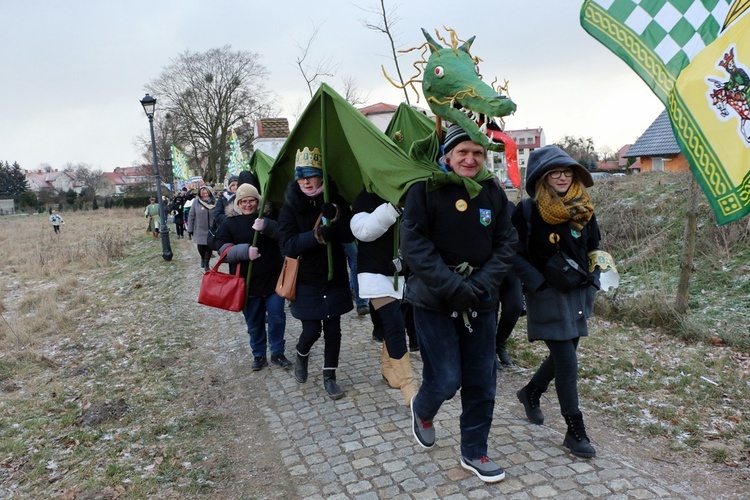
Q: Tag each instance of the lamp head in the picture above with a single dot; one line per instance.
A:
(149, 104)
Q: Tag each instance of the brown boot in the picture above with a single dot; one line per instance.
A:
(405, 375)
(388, 370)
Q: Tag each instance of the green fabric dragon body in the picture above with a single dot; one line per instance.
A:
(455, 92)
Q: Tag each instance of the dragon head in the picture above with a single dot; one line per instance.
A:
(455, 92)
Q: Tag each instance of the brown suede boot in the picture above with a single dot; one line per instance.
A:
(388, 370)
(405, 376)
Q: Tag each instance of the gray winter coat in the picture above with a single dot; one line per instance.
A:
(550, 313)
(200, 219)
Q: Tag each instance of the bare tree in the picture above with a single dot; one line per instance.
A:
(580, 149)
(352, 94)
(204, 95)
(312, 71)
(607, 154)
(92, 180)
(385, 23)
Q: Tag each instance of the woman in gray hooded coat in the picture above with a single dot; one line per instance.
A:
(558, 217)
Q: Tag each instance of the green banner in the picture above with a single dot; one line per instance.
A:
(693, 55)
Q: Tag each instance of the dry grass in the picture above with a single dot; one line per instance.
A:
(34, 256)
(642, 218)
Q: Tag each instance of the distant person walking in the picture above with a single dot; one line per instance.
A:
(152, 214)
(56, 220)
(200, 218)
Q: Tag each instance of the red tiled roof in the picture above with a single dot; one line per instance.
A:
(378, 108)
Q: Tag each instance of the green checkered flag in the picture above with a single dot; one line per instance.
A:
(692, 54)
(180, 169)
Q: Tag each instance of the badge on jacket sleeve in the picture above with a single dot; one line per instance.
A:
(485, 216)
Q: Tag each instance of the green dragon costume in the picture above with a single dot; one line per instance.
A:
(456, 93)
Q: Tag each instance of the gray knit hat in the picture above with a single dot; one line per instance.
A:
(454, 137)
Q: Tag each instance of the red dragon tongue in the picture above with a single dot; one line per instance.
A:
(495, 135)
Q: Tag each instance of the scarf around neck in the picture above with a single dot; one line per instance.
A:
(574, 207)
(438, 179)
(207, 204)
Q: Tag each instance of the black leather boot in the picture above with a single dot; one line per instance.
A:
(576, 439)
(332, 388)
(529, 396)
(300, 368)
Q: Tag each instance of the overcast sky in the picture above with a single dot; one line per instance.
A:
(74, 71)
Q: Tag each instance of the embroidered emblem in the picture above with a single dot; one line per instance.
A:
(732, 97)
(485, 216)
(461, 205)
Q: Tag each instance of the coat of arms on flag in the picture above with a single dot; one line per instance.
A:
(691, 54)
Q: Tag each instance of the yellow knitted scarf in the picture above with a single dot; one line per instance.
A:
(574, 207)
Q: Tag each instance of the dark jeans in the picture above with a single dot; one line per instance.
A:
(331, 335)
(455, 358)
(351, 259)
(255, 319)
(561, 366)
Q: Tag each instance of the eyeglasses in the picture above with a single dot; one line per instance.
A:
(556, 174)
(247, 201)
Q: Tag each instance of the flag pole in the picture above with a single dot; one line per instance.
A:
(323, 155)
(261, 208)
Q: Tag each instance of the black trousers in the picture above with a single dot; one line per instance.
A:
(331, 328)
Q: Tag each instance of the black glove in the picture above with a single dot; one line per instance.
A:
(330, 211)
(325, 234)
(479, 290)
(464, 299)
(593, 280)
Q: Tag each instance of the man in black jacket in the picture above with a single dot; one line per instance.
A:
(458, 241)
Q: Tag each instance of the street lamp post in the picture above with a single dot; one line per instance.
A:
(149, 104)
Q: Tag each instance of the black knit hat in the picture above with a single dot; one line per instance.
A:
(454, 137)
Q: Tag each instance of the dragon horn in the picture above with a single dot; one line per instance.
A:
(467, 44)
(434, 46)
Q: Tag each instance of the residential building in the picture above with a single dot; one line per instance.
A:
(269, 134)
(381, 113)
(527, 140)
(657, 149)
(113, 184)
(60, 181)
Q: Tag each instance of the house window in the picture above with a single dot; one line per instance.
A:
(657, 164)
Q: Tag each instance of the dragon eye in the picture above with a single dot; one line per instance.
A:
(476, 68)
(439, 71)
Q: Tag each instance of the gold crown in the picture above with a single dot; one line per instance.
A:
(307, 158)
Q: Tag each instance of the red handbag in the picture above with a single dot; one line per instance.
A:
(223, 290)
